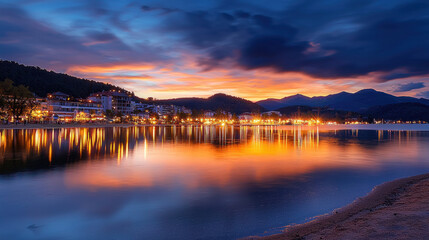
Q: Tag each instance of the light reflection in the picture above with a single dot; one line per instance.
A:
(197, 156)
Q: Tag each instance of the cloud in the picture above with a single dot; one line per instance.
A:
(352, 39)
(248, 46)
(409, 86)
(162, 10)
(424, 94)
(29, 41)
(96, 37)
(241, 14)
(393, 76)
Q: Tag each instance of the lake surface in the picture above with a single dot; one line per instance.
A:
(190, 182)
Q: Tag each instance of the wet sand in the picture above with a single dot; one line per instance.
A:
(393, 210)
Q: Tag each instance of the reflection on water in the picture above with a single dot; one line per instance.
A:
(200, 182)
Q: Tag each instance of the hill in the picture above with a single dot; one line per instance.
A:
(400, 111)
(216, 102)
(42, 82)
(356, 102)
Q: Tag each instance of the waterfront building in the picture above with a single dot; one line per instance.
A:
(116, 101)
(246, 116)
(57, 110)
(272, 113)
(58, 96)
(209, 114)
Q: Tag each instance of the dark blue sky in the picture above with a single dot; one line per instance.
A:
(253, 49)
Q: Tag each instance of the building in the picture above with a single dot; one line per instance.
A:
(116, 101)
(272, 113)
(209, 114)
(163, 110)
(59, 110)
(58, 96)
(141, 107)
(245, 117)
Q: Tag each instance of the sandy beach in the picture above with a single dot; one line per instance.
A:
(393, 210)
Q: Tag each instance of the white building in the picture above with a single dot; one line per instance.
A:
(271, 113)
(115, 101)
(72, 110)
(246, 116)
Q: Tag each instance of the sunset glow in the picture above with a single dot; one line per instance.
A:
(209, 119)
(257, 51)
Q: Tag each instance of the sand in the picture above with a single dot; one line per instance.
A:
(393, 210)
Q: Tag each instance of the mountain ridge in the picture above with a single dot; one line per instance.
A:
(219, 101)
(345, 101)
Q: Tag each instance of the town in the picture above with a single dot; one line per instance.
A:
(116, 107)
(18, 105)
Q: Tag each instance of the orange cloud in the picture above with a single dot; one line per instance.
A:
(110, 68)
(188, 79)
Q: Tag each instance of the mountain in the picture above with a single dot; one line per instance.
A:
(400, 111)
(216, 102)
(295, 100)
(42, 82)
(356, 102)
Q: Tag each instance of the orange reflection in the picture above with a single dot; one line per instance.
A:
(196, 156)
(254, 159)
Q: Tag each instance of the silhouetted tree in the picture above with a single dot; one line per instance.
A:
(16, 100)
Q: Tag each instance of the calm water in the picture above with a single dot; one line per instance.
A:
(190, 182)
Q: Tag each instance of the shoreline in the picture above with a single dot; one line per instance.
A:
(67, 125)
(395, 209)
(78, 125)
(384, 127)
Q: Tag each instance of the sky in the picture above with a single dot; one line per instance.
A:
(251, 48)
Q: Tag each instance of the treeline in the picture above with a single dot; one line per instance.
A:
(401, 112)
(322, 113)
(42, 82)
(394, 112)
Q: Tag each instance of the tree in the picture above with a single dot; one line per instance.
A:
(154, 115)
(32, 105)
(220, 114)
(5, 89)
(183, 116)
(15, 100)
(197, 113)
(42, 82)
(235, 118)
(109, 114)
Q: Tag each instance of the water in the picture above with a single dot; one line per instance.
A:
(190, 182)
